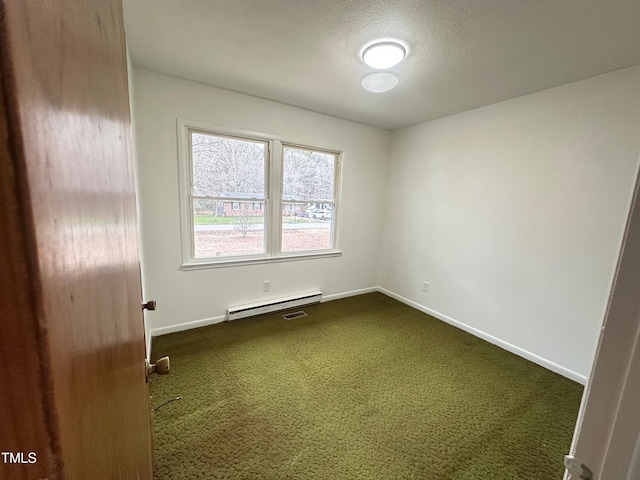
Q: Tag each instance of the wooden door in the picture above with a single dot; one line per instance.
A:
(73, 399)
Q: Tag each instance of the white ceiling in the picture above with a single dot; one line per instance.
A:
(464, 53)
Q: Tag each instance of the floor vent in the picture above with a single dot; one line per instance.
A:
(286, 303)
(292, 315)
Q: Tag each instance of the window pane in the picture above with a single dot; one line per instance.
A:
(306, 227)
(227, 167)
(221, 230)
(308, 175)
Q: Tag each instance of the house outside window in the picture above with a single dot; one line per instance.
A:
(251, 198)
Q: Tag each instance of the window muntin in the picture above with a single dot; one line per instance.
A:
(233, 186)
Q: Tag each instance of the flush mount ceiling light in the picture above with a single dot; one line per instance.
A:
(384, 54)
(379, 82)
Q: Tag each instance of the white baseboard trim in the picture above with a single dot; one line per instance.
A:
(543, 362)
(179, 327)
(156, 332)
(352, 293)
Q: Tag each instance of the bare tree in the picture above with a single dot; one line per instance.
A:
(242, 223)
(308, 175)
(223, 165)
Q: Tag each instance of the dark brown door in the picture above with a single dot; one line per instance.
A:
(73, 399)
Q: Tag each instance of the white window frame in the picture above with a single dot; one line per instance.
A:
(273, 203)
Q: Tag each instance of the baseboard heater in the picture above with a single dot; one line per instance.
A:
(251, 309)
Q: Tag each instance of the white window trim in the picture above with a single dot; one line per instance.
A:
(272, 209)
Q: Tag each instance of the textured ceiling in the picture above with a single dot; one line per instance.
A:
(464, 53)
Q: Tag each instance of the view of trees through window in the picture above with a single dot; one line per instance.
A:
(224, 165)
(307, 195)
(308, 175)
(231, 203)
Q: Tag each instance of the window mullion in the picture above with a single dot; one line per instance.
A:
(276, 198)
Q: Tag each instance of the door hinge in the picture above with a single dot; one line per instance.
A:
(577, 469)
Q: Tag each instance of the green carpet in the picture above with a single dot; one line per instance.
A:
(362, 388)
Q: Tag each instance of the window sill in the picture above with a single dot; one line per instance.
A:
(289, 257)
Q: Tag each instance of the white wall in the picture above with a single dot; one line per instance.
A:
(187, 296)
(514, 212)
(136, 164)
(607, 434)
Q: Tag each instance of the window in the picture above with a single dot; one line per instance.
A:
(249, 198)
(308, 179)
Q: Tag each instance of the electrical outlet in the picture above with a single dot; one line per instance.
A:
(425, 287)
(266, 286)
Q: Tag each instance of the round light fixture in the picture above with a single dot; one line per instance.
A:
(379, 82)
(384, 54)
